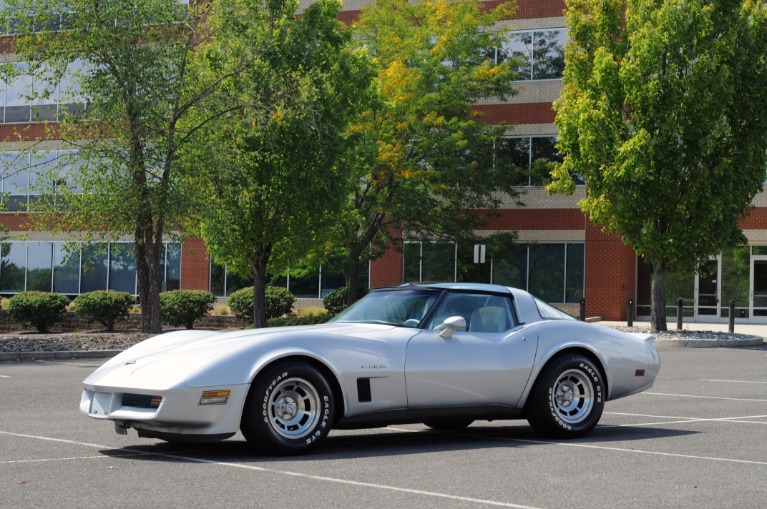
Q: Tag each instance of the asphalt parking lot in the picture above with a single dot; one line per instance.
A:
(698, 439)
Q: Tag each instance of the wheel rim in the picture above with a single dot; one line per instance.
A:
(573, 396)
(294, 408)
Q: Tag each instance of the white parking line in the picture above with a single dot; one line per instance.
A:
(702, 397)
(640, 451)
(690, 419)
(336, 480)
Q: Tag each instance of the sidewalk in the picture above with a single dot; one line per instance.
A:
(752, 329)
(687, 338)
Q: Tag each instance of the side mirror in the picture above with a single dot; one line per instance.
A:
(451, 325)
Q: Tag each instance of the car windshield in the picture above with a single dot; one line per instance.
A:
(393, 307)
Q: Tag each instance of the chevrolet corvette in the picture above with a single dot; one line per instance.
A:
(443, 355)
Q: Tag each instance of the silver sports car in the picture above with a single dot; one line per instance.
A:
(441, 354)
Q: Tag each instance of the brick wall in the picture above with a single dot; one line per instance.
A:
(195, 265)
(610, 275)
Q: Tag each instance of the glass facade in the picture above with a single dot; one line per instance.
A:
(552, 272)
(532, 156)
(540, 53)
(310, 284)
(737, 275)
(26, 176)
(25, 99)
(75, 268)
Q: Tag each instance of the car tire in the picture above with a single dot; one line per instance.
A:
(568, 398)
(290, 408)
(449, 425)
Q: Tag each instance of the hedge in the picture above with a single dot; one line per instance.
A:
(105, 306)
(41, 309)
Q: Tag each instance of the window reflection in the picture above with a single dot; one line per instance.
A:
(554, 272)
(531, 157)
(27, 179)
(72, 268)
(539, 54)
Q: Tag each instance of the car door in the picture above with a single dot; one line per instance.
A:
(488, 363)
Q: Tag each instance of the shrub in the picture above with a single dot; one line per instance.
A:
(279, 301)
(41, 309)
(105, 306)
(183, 307)
(283, 321)
(335, 301)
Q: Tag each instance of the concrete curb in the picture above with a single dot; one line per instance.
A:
(57, 356)
(709, 343)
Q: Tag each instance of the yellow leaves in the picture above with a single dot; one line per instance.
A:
(485, 72)
(277, 116)
(391, 154)
(399, 82)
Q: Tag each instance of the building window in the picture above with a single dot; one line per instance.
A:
(541, 53)
(25, 98)
(72, 268)
(533, 157)
(27, 177)
(553, 272)
(304, 284)
(430, 261)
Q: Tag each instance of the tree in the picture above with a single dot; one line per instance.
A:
(123, 68)
(421, 155)
(660, 114)
(266, 172)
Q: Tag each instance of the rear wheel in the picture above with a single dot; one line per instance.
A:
(288, 410)
(567, 399)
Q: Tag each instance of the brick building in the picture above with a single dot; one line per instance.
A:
(559, 254)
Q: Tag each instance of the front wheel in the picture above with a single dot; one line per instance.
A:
(288, 410)
(567, 399)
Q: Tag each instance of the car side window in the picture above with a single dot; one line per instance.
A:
(482, 312)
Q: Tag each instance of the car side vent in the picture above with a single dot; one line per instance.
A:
(363, 390)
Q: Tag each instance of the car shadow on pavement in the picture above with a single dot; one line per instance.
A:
(392, 441)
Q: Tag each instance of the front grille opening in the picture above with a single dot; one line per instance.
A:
(141, 400)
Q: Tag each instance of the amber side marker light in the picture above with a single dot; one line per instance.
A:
(214, 397)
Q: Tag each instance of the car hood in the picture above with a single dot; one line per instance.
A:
(169, 360)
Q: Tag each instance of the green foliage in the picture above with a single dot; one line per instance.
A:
(420, 154)
(337, 300)
(183, 307)
(105, 306)
(266, 172)
(41, 309)
(278, 301)
(291, 320)
(128, 61)
(658, 115)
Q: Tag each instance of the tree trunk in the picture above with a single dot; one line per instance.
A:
(658, 304)
(352, 282)
(259, 287)
(148, 273)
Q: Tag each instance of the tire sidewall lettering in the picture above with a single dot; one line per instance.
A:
(593, 374)
(323, 424)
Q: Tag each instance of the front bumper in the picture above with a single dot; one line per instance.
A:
(179, 412)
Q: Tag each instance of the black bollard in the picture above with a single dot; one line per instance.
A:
(630, 315)
(732, 316)
(583, 309)
(679, 304)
